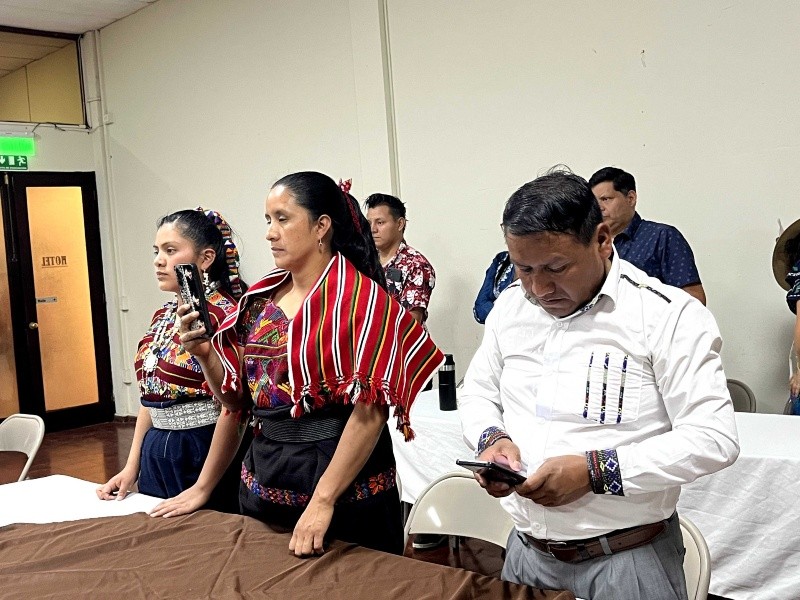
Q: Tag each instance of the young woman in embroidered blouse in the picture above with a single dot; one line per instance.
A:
(172, 454)
(322, 351)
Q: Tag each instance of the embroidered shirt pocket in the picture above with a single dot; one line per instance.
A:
(613, 387)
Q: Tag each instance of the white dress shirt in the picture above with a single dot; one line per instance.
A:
(669, 415)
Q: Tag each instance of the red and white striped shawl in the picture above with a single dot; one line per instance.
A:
(349, 342)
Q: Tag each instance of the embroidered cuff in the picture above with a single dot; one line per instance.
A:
(604, 474)
(489, 437)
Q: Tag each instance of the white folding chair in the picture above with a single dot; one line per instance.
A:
(22, 433)
(744, 400)
(696, 562)
(456, 505)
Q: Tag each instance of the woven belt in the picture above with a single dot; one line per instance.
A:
(305, 429)
(576, 551)
(186, 415)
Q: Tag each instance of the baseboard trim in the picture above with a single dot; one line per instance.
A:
(124, 419)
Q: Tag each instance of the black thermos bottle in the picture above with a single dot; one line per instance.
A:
(447, 384)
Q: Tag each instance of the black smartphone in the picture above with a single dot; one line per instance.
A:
(190, 288)
(492, 471)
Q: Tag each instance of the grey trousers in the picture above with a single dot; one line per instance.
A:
(651, 572)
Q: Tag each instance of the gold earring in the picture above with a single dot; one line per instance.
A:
(319, 241)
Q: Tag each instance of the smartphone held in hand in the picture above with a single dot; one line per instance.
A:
(190, 288)
(492, 471)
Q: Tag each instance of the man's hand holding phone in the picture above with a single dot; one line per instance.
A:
(558, 481)
(506, 453)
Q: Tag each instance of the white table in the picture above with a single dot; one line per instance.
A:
(60, 498)
(434, 450)
(749, 513)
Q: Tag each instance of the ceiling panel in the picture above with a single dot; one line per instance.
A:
(12, 64)
(17, 50)
(66, 16)
(35, 40)
(25, 51)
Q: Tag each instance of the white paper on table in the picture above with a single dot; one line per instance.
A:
(61, 498)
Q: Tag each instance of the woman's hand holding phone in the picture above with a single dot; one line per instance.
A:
(194, 341)
(195, 321)
(191, 291)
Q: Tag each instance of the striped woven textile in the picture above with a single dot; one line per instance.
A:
(349, 342)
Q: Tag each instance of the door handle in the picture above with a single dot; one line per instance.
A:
(33, 325)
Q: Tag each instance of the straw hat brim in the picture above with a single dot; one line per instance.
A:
(780, 258)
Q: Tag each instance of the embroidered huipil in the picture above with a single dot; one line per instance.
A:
(263, 331)
(636, 371)
(166, 373)
(348, 343)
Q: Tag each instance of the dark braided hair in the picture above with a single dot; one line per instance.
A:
(202, 233)
(320, 195)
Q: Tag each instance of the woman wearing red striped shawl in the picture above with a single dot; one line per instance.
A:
(320, 352)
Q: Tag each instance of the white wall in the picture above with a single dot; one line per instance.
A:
(211, 101)
(695, 99)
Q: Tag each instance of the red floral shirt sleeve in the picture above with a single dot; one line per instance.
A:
(410, 279)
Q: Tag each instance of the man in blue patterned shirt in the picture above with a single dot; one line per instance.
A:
(656, 248)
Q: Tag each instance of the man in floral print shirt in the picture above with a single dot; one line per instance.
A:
(409, 280)
(409, 276)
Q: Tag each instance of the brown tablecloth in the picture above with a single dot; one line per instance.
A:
(11, 465)
(216, 555)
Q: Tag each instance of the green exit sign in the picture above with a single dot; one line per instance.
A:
(13, 162)
(17, 146)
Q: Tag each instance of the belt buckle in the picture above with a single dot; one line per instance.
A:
(548, 546)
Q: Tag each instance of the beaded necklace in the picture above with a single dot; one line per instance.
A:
(163, 334)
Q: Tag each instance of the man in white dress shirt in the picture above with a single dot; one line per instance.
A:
(605, 388)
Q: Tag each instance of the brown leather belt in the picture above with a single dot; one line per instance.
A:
(576, 551)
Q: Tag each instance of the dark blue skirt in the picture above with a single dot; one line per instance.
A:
(172, 460)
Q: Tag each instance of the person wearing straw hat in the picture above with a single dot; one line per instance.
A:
(786, 268)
